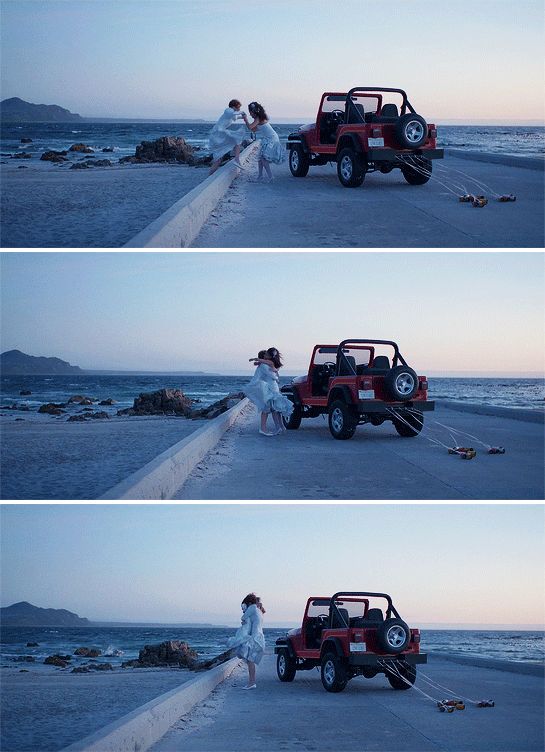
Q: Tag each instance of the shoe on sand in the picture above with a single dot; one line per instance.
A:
(265, 433)
(251, 686)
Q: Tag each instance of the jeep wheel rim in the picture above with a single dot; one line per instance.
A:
(414, 131)
(282, 664)
(329, 672)
(404, 384)
(337, 420)
(294, 159)
(396, 636)
(346, 167)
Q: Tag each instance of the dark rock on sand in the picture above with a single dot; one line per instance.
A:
(22, 155)
(102, 163)
(169, 653)
(162, 402)
(108, 401)
(164, 149)
(219, 407)
(58, 660)
(54, 156)
(16, 419)
(88, 652)
(26, 140)
(81, 166)
(94, 416)
(25, 392)
(52, 408)
(32, 645)
(80, 399)
(108, 148)
(93, 666)
(82, 147)
(22, 167)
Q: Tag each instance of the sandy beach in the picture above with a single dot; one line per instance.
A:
(316, 211)
(46, 712)
(366, 715)
(376, 463)
(53, 459)
(101, 207)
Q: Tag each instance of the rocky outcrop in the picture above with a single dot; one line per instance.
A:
(80, 399)
(25, 392)
(61, 661)
(52, 408)
(169, 653)
(164, 149)
(32, 645)
(92, 666)
(24, 614)
(88, 652)
(26, 140)
(95, 163)
(22, 155)
(99, 415)
(162, 402)
(54, 156)
(219, 407)
(82, 148)
(108, 401)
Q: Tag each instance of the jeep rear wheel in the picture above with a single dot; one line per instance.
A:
(411, 131)
(285, 666)
(409, 424)
(393, 635)
(299, 162)
(333, 672)
(294, 421)
(350, 168)
(401, 383)
(342, 420)
(420, 173)
(403, 676)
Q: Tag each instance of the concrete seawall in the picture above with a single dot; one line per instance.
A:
(509, 160)
(513, 413)
(180, 225)
(160, 478)
(139, 730)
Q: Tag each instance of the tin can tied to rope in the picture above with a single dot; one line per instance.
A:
(466, 453)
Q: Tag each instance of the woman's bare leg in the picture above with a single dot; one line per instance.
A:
(251, 673)
(214, 166)
(260, 164)
(268, 169)
(264, 417)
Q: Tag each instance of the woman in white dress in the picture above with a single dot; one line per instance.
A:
(271, 148)
(249, 640)
(264, 392)
(227, 135)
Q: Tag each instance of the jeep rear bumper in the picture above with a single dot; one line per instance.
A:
(378, 406)
(372, 659)
(384, 154)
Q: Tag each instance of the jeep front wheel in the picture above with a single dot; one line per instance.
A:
(342, 420)
(417, 171)
(403, 676)
(333, 672)
(299, 162)
(294, 421)
(285, 666)
(350, 168)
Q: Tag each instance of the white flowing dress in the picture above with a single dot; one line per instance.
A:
(271, 148)
(249, 639)
(264, 392)
(226, 134)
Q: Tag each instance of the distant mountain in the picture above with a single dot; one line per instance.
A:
(16, 110)
(17, 363)
(24, 614)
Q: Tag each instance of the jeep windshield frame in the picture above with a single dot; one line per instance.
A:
(333, 608)
(347, 342)
(406, 105)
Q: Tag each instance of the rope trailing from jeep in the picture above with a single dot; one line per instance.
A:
(436, 685)
(443, 705)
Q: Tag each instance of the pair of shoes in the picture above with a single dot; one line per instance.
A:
(251, 686)
(278, 431)
(265, 433)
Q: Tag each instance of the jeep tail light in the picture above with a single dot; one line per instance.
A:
(423, 385)
(376, 132)
(416, 637)
(367, 383)
(433, 132)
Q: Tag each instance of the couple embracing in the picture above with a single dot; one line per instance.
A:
(264, 392)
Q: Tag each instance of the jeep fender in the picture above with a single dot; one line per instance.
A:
(350, 140)
(332, 645)
(341, 392)
(286, 645)
(292, 394)
(298, 141)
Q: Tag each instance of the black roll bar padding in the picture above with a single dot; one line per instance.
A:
(406, 102)
(333, 605)
(340, 348)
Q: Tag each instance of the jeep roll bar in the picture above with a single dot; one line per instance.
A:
(333, 606)
(348, 103)
(341, 355)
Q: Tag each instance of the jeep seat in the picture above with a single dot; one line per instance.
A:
(388, 114)
(374, 617)
(328, 129)
(319, 383)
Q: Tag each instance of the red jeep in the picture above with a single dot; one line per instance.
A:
(353, 384)
(365, 130)
(347, 638)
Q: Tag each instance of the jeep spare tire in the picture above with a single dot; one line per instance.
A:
(401, 383)
(393, 636)
(411, 131)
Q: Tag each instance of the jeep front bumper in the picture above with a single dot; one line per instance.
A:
(383, 154)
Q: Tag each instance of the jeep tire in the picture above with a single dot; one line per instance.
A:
(401, 383)
(342, 420)
(285, 666)
(299, 161)
(411, 131)
(333, 673)
(407, 678)
(350, 168)
(294, 421)
(410, 424)
(393, 636)
(421, 174)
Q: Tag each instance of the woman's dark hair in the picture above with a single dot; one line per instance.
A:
(262, 354)
(257, 111)
(275, 356)
(235, 103)
(254, 600)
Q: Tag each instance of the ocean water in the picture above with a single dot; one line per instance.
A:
(120, 644)
(528, 394)
(523, 141)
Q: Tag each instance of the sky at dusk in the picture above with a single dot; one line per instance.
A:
(458, 61)
(450, 313)
(169, 563)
